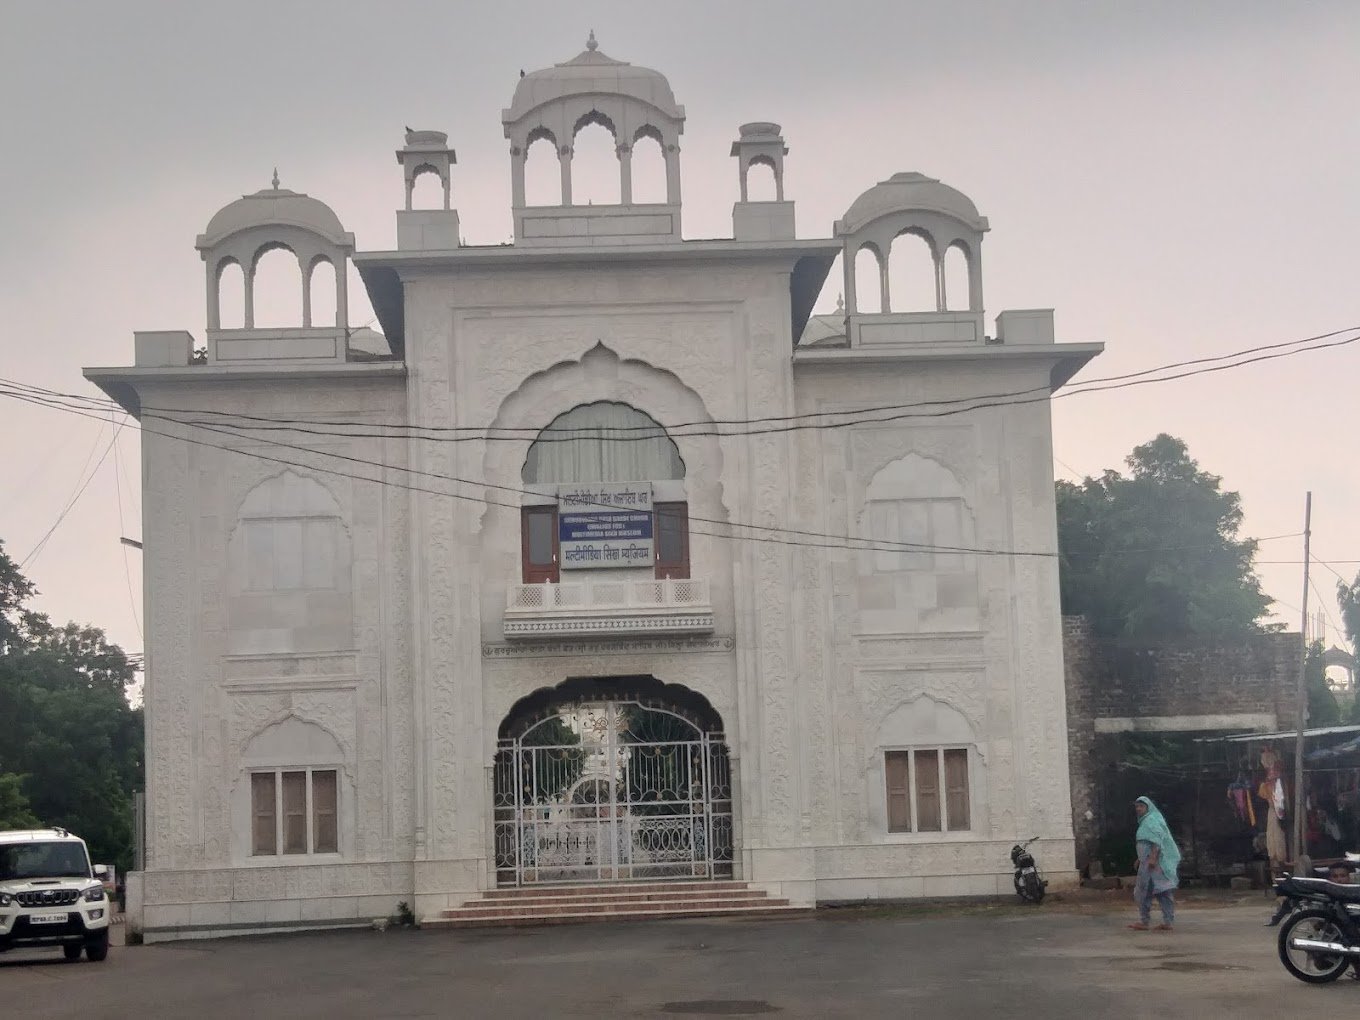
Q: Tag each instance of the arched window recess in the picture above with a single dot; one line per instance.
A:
(606, 491)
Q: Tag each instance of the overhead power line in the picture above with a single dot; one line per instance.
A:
(763, 533)
(740, 427)
(36, 551)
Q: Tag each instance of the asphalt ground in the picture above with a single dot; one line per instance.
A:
(1070, 958)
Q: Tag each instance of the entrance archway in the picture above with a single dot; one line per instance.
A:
(612, 780)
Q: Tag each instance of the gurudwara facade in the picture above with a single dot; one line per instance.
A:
(607, 561)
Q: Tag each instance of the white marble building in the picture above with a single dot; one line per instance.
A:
(594, 566)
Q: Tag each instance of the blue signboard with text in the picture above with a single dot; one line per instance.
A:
(605, 525)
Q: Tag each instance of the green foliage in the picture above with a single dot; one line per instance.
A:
(1322, 707)
(69, 728)
(1154, 555)
(1348, 600)
(14, 810)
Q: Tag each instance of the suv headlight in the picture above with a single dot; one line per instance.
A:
(5, 899)
(94, 894)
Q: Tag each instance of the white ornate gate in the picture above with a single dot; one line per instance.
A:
(612, 791)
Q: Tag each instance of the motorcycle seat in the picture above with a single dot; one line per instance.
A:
(1315, 886)
(1348, 893)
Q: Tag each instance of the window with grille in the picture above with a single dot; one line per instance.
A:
(927, 789)
(294, 811)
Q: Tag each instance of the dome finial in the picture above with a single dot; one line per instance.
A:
(591, 44)
(276, 179)
(840, 302)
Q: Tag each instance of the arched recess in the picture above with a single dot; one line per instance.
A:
(427, 190)
(276, 281)
(920, 576)
(293, 797)
(957, 288)
(912, 279)
(648, 167)
(601, 375)
(612, 779)
(604, 441)
(290, 570)
(595, 170)
(542, 170)
(760, 183)
(231, 294)
(926, 775)
(321, 293)
(868, 280)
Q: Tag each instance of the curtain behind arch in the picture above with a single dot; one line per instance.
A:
(603, 442)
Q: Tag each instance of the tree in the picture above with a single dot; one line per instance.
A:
(79, 747)
(1348, 600)
(14, 809)
(1322, 707)
(1154, 555)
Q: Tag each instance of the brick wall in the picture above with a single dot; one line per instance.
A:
(1107, 680)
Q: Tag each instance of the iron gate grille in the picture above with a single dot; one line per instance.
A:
(612, 791)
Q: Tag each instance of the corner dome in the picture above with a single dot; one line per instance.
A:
(910, 192)
(274, 207)
(591, 72)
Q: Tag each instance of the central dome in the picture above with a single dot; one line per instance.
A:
(592, 73)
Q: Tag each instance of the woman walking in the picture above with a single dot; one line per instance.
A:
(1158, 859)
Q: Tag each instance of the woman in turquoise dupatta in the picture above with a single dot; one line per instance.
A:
(1158, 861)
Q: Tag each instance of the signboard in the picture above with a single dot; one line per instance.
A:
(605, 525)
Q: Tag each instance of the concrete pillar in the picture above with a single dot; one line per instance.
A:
(848, 271)
(518, 156)
(214, 298)
(564, 155)
(306, 293)
(975, 281)
(673, 174)
(625, 153)
(341, 295)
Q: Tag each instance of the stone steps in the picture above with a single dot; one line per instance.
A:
(625, 901)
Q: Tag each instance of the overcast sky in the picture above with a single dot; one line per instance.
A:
(1176, 179)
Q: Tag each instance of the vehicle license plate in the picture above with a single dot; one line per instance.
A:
(46, 918)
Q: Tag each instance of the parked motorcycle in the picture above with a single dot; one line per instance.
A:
(1029, 884)
(1321, 937)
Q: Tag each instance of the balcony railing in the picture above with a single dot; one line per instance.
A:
(604, 607)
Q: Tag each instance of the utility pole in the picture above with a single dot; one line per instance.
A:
(1300, 827)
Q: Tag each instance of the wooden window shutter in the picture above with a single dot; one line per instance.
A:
(956, 789)
(295, 812)
(671, 537)
(263, 821)
(895, 768)
(325, 831)
(927, 791)
(538, 544)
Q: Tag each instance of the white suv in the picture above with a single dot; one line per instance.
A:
(49, 896)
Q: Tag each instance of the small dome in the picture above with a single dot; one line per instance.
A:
(273, 207)
(910, 192)
(592, 72)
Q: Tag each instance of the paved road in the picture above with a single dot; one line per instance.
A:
(999, 962)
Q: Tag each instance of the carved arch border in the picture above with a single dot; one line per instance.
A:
(601, 375)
